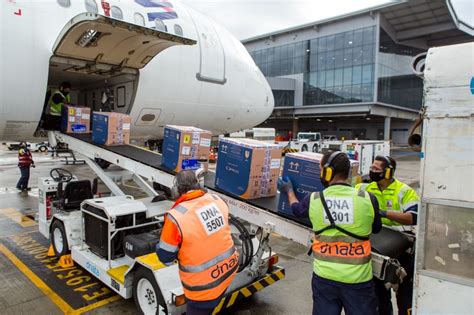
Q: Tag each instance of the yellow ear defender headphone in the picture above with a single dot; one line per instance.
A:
(328, 169)
(388, 173)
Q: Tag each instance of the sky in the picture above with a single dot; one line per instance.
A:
(248, 18)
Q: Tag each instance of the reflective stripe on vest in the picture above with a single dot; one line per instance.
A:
(338, 256)
(55, 108)
(208, 260)
(341, 249)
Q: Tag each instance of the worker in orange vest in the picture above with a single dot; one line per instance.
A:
(196, 232)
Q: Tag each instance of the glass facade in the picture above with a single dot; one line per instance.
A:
(341, 68)
(397, 84)
(282, 60)
(284, 97)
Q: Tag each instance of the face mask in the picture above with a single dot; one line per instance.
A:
(376, 176)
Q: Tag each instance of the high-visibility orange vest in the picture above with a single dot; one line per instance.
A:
(208, 259)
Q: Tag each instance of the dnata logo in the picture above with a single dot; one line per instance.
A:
(224, 267)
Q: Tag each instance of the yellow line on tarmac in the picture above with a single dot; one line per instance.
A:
(56, 299)
(63, 306)
(18, 217)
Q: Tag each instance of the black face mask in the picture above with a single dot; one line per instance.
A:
(376, 176)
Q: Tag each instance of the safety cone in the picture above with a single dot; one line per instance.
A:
(51, 251)
(66, 261)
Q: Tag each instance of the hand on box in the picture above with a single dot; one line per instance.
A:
(285, 184)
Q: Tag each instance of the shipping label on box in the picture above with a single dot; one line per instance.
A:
(247, 168)
(185, 147)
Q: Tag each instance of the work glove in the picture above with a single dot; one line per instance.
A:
(284, 184)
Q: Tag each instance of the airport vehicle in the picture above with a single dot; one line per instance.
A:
(307, 141)
(35, 146)
(444, 277)
(159, 61)
(100, 252)
(329, 138)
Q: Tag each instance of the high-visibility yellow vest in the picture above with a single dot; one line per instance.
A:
(55, 108)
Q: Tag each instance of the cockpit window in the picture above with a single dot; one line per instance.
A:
(64, 3)
(178, 30)
(91, 6)
(139, 19)
(116, 13)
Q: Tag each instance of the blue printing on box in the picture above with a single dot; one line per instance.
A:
(171, 143)
(305, 176)
(100, 127)
(233, 168)
(190, 164)
(78, 128)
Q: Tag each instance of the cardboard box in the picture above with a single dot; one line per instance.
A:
(248, 168)
(303, 170)
(185, 148)
(111, 128)
(75, 119)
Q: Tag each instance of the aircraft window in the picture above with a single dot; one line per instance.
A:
(116, 13)
(139, 19)
(148, 117)
(178, 30)
(64, 3)
(91, 6)
(121, 96)
(160, 25)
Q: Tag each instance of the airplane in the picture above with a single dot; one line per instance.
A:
(159, 61)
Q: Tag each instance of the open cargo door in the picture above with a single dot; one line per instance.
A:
(101, 40)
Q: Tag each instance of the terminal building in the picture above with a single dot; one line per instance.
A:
(351, 76)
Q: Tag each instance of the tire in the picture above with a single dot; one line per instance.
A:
(146, 293)
(102, 163)
(315, 148)
(59, 239)
(43, 149)
(304, 148)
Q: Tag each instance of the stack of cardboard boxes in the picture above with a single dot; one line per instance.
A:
(248, 168)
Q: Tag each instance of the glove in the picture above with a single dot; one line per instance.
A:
(285, 184)
(383, 214)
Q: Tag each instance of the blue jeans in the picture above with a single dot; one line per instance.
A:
(24, 178)
(330, 297)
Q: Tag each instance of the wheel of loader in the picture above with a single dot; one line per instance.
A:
(58, 239)
(315, 148)
(304, 148)
(146, 293)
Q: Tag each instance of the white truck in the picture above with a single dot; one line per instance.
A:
(306, 141)
(444, 273)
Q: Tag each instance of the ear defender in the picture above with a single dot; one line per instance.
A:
(328, 170)
(388, 168)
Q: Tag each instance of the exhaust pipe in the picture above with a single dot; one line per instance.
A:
(414, 137)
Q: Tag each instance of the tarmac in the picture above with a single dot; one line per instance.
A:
(32, 283)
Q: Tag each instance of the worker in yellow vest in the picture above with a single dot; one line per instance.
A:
(399, 206)
(342, 218)
(196, 232)
(53, 110)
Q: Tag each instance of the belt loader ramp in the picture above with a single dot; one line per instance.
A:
(137, 275)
